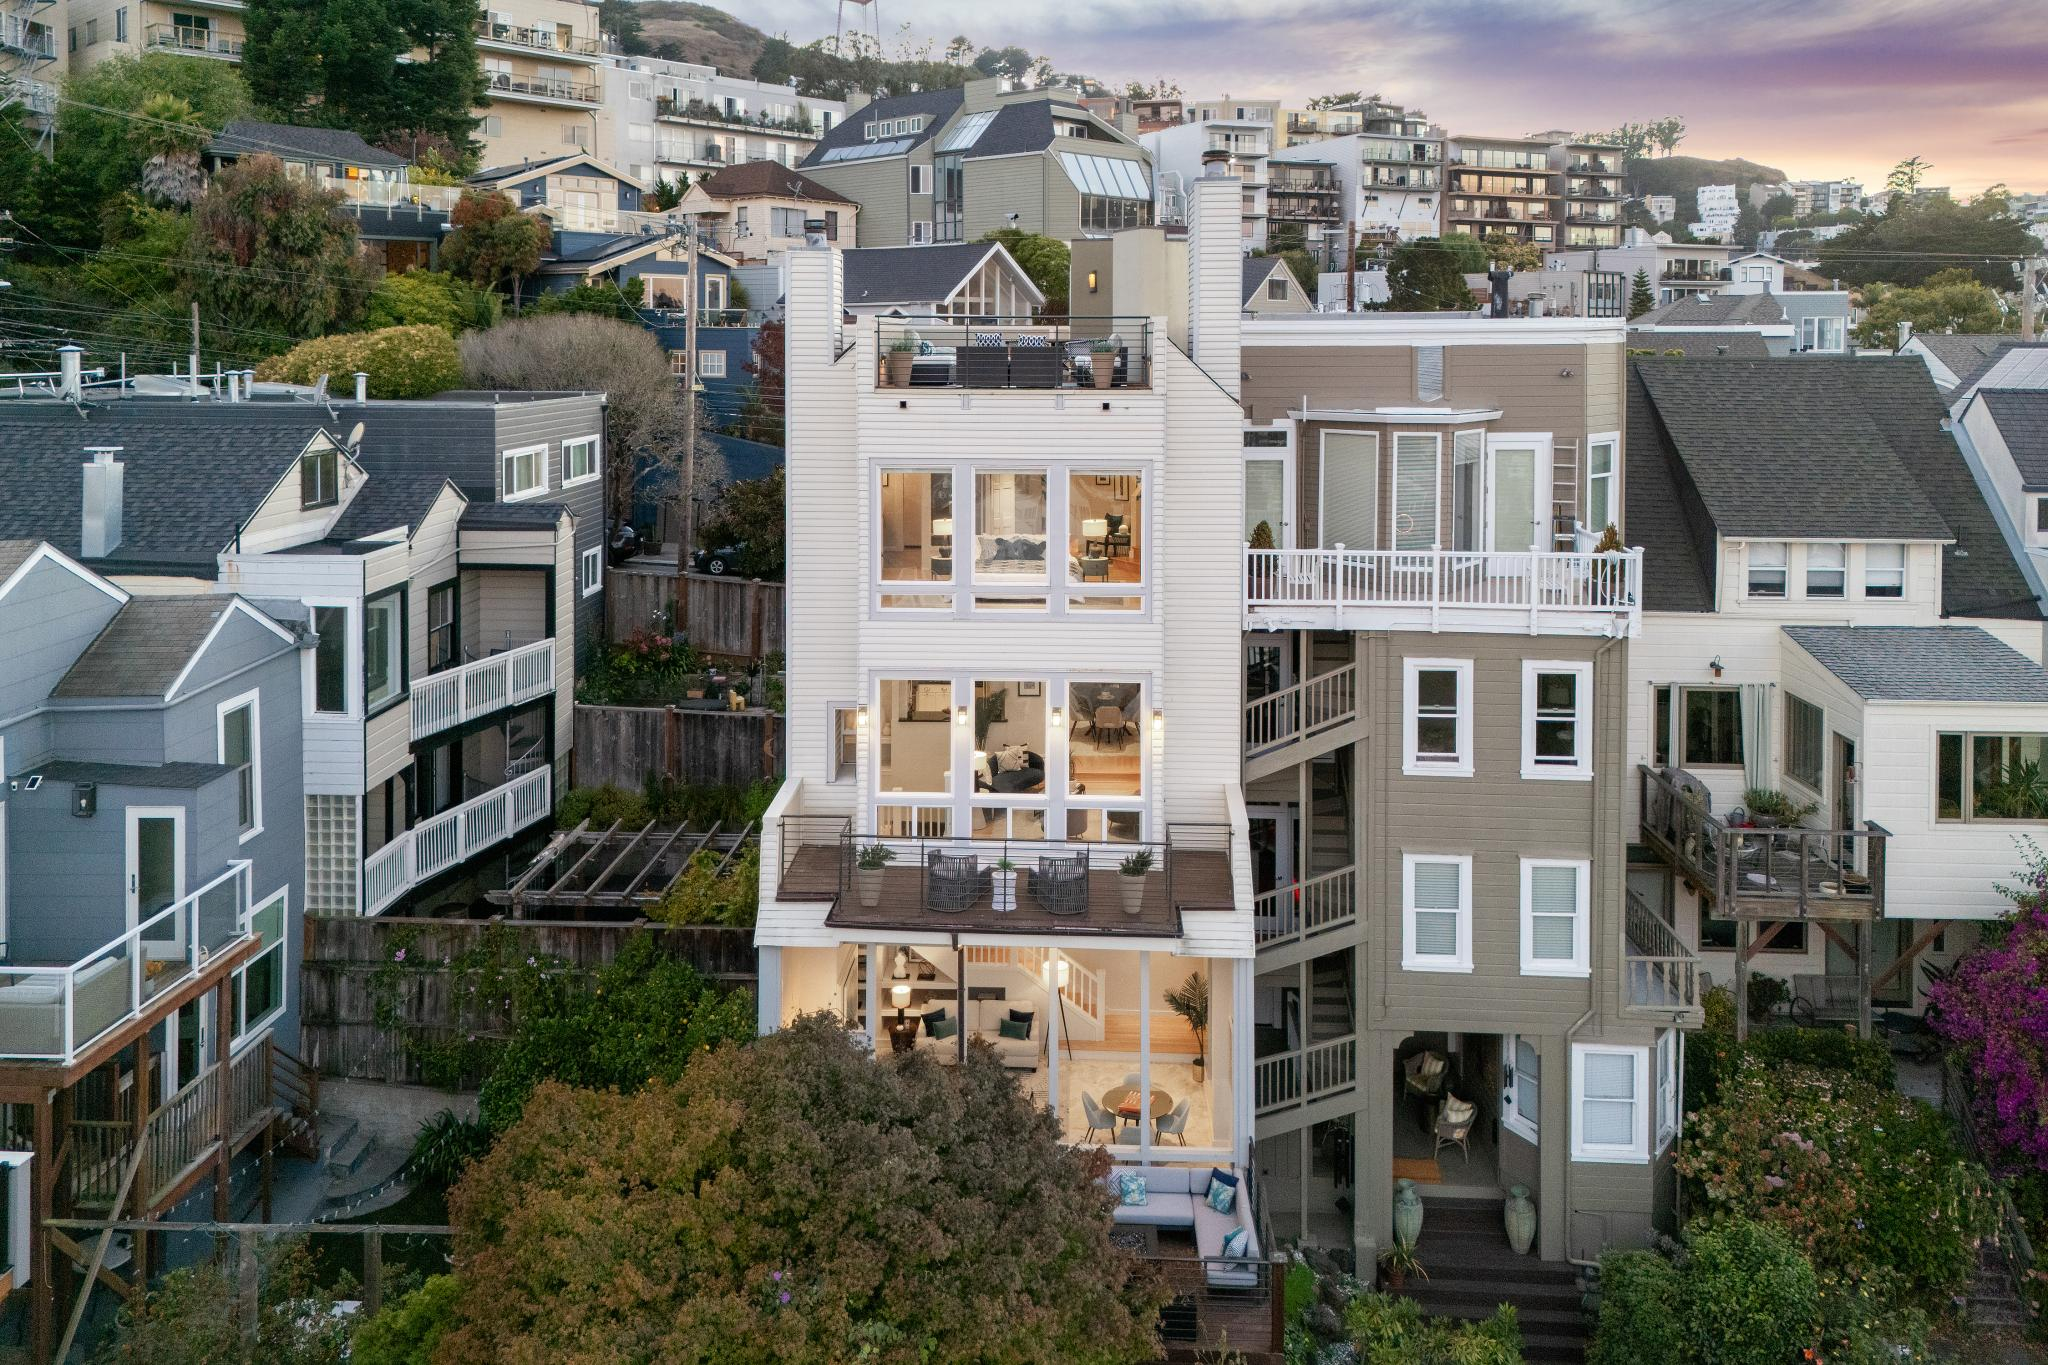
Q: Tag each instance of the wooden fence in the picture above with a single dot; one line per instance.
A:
(619, 746)
(727, 618)
(340, 989)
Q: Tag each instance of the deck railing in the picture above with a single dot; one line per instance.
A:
(1448, 585)
(1662, 973)
(454, 836)
(1778, 874)
(1014, 353)
(1305, 909)
(1291, 1078)
(476, 689)
(52, 1013)
(543, 87)
(201, 42)
(537, 39)
(1294, 713)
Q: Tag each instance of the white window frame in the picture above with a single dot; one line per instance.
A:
(1461, 960)
(1870, 574)
(253, 699)
(921, 233)
(1512, 1116)
(1811, 328)
(2039, 530)
(590, 570)
(1580, 964)
(1580, 769)
(594, 445)
(711, 364)
(1612, 440)
(1411, 763)
(833, 710)
(505, 458)
(1750, 569)
(920, 178)
(1637, 1151)
(282, 948)
(1667, 1087)
(16, 1168)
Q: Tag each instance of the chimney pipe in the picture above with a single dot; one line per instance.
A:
(1498, 306)
(70, 382)
(99, 532)
(1213, 160)
(362, 387)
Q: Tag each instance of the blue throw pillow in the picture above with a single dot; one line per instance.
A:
(1234, 1245)
(1217, 1175)
(1130, 1189)
(1222, 1197)
(944, 1028)
(932, 1020)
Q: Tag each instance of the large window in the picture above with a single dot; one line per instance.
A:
(1767, 568)
(1610, 1103)
(330, 660)
(1713, 727)
(443, 649)
(1805, 742)
(525, 472)
(260, 986)
(383, 649)
(1436, 717)
(1010, 542)
(1822, 334)
(579, 459)
(1556, 917)
(917, 736)
(1557, 715)
(240, 740)
(1436, 912)
(1100, 213)
(1105, 536)
(917, 534)
(1600, 466)
(1991, 777)
(1009, 759)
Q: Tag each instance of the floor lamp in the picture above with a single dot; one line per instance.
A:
(1059, 996)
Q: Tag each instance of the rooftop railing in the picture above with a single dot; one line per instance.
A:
(1014, 353)
(547, 40)
(199, 42)
(1537, 591)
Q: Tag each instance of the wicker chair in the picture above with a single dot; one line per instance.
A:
(1454, 1125)
(955, 881)
(1061, 885)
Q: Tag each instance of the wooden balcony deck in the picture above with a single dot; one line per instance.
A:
(1762, 874)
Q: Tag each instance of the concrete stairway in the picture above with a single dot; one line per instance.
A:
(1472, 1271)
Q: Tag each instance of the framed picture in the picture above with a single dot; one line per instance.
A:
(1122, 489)
(1030, 689)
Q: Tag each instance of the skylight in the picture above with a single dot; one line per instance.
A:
(968, 131)
(1109, 176)
(862, 151)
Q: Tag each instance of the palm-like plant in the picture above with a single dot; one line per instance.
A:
(165, 133)
(1190, 1000)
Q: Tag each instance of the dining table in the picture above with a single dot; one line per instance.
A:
(1122, 1101)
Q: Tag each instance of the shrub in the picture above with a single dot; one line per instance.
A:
(1388, 1329)
(1641, 1295)
(1865, 1059)
(445, 1144)
(402, 362)
(651, 667)
(407, 1330)
(704, 895)
(1750, 1297)
(430, 297)
(601, 806)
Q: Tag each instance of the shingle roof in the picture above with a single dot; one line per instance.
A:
(510, 516)
(1256, 269)
(2013, 364)
(1924, 663)
(144, 648)
(936, 105)
(1728, 341)
(1714, 310)
(760, 179)
(169, 776)
(13, 553)
(1962, 352)
(188, 483)
(1663, 514)
(909, 274)
(390, 497)
(1025, 126)
(244, 136)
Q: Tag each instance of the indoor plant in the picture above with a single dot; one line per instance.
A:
(1103, 367)
(1132, 887)
(901, 352)
(867, 872)
(1190, 1000)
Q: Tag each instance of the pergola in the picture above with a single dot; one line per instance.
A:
(615, 869)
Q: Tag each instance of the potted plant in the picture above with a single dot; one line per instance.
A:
(1262, 536)
(1398, 1262)
(1103, 366)
(1133, 870)
(1770, 809)
(901, 352)
(1190, 1000)
(867, 872)
(1005, 885)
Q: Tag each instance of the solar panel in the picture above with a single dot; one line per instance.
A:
(968, 131)
(861, 151)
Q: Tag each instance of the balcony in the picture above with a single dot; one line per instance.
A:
(1288, 1080)
(1053, 886)
(1598, 165)
(1576, 214)
(1303, 911)
(455, 836)
(54, 1013)
(1661, 977)
(1703, 273)
(1536, 592)
(1762, 874)
(395, 194)
(194, 42)
(518, 38)
(703, 111)
(475, 690)
(1014, 353)
(1293, 180)
(552, 90)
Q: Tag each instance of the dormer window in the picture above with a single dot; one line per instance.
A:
(319, 478)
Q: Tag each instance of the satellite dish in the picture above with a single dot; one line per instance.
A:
(355, 436)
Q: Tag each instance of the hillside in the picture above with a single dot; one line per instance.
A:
(1683, 175)
(700, 33)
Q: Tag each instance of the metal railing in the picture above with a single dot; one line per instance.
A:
(1014, 353)
(682, 111)
(1005, 878)
(1302, 910)
(476, 689)
(200, 42)
(541, 87)
(1294, 713)
(1288, 1079)
(537, 39)
(1695, 274)
(1779, 874)
(1533, 583)
(454, 836)
(1662, 975)
(397, 194)
(52, 1013)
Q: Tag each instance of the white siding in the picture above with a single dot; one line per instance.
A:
(433, 561)
(333, 744)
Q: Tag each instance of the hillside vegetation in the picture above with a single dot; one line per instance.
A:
(703, 34)
(1683, 176)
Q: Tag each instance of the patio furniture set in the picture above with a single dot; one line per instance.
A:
(1122, 1105)
(1447, 1118)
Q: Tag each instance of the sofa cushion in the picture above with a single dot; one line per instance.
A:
(1015, 1028)
(932, 1020)
(1131, 1191)
(944, 1028)
(1235, 1244)
(33, 990)
(1222, 1197)
(1024, 1017)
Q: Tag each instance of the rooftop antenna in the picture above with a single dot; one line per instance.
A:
(873, 7)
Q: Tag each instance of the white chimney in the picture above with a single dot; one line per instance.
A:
(99, 532)
(362, 387)
(70, 382)
(1215, 278)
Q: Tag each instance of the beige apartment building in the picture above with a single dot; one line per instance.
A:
(98, 30)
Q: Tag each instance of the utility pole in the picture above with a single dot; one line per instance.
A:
(2030, 282)
(689, 508)
(1350, 265)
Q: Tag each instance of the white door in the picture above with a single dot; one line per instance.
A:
(1511, 499)
(1266, 499)
(1349, 490)
(156, 874)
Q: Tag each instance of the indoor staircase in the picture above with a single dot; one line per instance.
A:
(1083, 1018)
(1472, 1271)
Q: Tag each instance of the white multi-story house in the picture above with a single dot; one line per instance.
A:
(1236, 134)
(669, 120)
(1719, 206)
(1831, 614)
(1390, 174)
(1012, 809)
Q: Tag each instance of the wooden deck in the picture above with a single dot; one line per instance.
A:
(1749, 873)
(1202, 1318)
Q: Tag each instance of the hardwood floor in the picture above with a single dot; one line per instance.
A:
(1170, 1034)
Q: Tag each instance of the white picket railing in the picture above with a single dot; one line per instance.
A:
(434, 845)
(1524, 588)
(1292, 1078)
(1294, 713)
(489, 684)
(1305, 909)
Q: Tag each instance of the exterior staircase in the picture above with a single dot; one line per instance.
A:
(1472, 1271)
(1295, 724)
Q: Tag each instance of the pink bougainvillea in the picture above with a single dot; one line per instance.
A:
(1993, 1010)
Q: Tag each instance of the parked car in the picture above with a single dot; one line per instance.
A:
(625, 543)
(725, 559)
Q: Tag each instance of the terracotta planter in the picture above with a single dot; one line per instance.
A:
(899, 368)
(1102, 368)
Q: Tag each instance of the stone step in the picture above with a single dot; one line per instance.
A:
(341, 1132)
(346, 1157)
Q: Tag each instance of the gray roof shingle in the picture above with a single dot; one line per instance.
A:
(1728, 342)
(13, 553)
(2022, 418)
(1714, 310)
(163, 776)
(1981, 371)
(936, 105)
(909, 274)
(144, 648)
(1924, 663)
(290, 142)
(510, 516)
(1256, 269)
(389, 498)
(1964, 353)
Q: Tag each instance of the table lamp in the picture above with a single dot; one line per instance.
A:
(942, 529)
(899, 996)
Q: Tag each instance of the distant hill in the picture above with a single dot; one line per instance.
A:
(1683, 176)
(701, 34)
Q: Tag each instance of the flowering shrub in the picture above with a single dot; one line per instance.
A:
(1863, 1179)
(652, 666)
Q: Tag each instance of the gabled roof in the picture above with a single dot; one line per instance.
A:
(1256, 271)
(2022, 418)
(247, 136)
(145, 649)
(1727, 342)
(1027, 126)
(503, 177)
(919, 274)
(2014, 365)
(936, 105)
(1924, 663)
(1714, 310)
(395, 498)
(767, 180)
(614, 250)
(1961, 353)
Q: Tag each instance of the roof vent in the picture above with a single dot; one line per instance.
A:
(99, 531)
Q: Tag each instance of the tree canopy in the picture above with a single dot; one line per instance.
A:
(796, 1200)
(347, 64)
(274, 252)
(1916, 239)
(492, 241)
(1950, 301)
(1046, 260)
(1427, 275)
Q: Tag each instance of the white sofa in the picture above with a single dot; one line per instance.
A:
(32, 1007)
(984, 1021)
(1178, 1197)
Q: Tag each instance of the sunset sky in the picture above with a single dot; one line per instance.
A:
(1819, 88)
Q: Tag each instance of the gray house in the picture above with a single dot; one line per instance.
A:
(151, 875)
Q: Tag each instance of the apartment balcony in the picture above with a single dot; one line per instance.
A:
(1744, 872)
(193, 42)
(1661, 977)
(1598, 165)
(1063, 887)
(55, 1012)
(1403, 180)
(1302, 1076)
(1290, 921)
(548, 90)
(1281, 209)
(1295, 180)
(457, 696)
(1578, 214)
(1014, 353)
(1533, 593)
(34, 41)
(1413, 156)
(496, 37)
(1695, 274)
(672, 110)
(453, 837)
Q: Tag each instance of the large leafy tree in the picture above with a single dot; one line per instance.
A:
(1045, 259)
(761, 415)
(271, 252)
(1951, 301)
(1427, 276)
(379, 67)
(492, 242)
(796, 1200)
(1916, 239)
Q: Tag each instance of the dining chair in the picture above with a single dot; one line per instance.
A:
(1109, 725)
(1175, 1124)
(1100, 1120)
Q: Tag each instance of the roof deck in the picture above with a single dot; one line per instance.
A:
(1762, 874)
(1534, 593)
(1013, 353)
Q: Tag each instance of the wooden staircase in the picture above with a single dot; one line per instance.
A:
(1305, 721)
(1472, 1271)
